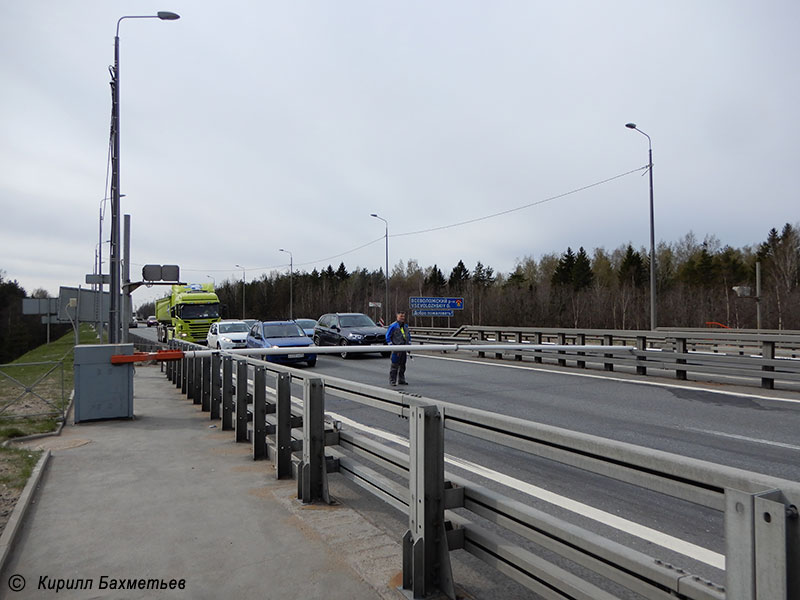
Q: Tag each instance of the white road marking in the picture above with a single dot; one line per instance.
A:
(744, 438)
(620, 379)
(646, 533)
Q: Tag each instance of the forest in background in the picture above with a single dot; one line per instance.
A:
(604, 290)
(577, 289)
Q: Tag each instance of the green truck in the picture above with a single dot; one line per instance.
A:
(187, 313)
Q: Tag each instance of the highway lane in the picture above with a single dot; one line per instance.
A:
(734, 427)
(745, 428)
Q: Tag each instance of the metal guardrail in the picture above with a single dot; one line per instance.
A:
(762, 534)
(766, 358)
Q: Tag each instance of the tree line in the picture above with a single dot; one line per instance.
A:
(604, 289)
(20, 333)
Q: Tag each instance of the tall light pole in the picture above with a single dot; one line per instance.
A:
(653, 318)
(243, 289)
(115, 298)
(291, 279)
(386, 272)
(213, 281)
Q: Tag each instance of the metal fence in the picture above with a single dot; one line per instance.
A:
(32, 390)
(253, 399)
(765, 358)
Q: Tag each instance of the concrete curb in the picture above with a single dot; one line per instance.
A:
(15, 522)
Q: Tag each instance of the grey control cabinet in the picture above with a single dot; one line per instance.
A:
(102, 390)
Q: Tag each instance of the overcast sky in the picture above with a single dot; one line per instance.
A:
(252, 126)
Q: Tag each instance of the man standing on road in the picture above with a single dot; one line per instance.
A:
(398, 334)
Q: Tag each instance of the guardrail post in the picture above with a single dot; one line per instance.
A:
(518, 339)
(426, 557)
(762, 539)
(482, 337)
(768, 352)
(562, 341)
(227, 393)
(241, 401)
(312, 476)
(190, 378)
(259, 437)
(641, 346)
(206, 384)
(537, 340)
(184, 375)
(498, 340)
(197, 384)
(216, 385)
(680, 348)
(283, 431)
(608, 340)
(580, 340)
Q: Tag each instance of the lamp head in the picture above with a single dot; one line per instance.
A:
(630, 125)
(373, 215)
(167, 16)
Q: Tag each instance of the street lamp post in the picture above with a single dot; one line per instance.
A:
(386, 272)
(243, 288)
(115, 297)
(213, 281)
(291, 280)
(653, 317)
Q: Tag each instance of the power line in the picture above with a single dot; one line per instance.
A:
(524, 206)
(442, 227)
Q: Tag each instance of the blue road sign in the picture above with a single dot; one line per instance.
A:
(435, 303)
(432, 313)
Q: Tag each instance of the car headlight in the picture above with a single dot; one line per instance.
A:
(276, 346)
(355, 336)
(184, 334)
(225, 339)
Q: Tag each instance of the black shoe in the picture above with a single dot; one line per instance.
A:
(404, 382)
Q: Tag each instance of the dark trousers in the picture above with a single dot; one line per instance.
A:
(397, 372)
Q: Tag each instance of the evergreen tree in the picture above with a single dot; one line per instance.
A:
(458, 276)
(582, 274)
(632, 271)
(563, 273)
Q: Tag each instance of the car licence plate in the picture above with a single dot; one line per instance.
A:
(294, 356)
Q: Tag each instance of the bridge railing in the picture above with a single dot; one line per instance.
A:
(447, 512)
(764, 358)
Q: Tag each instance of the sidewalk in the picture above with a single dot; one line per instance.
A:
(166, 498)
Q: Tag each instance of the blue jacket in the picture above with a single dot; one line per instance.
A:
(398, 335)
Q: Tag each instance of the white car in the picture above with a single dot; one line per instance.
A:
(227, 334)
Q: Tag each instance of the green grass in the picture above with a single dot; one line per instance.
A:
(16, 466)
(56, 387)
(14, 428)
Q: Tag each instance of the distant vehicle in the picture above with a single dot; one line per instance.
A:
(227, 334)
(152, 321)
(187, 313)
(349, 329)
(282, 334)
(307, 325)
(134, 323)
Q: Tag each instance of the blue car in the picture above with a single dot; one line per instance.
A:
(281, 334)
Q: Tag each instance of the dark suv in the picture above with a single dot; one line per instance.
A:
(348, 329)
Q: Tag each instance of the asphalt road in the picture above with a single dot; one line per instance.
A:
(739, 427)
(747, 428)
